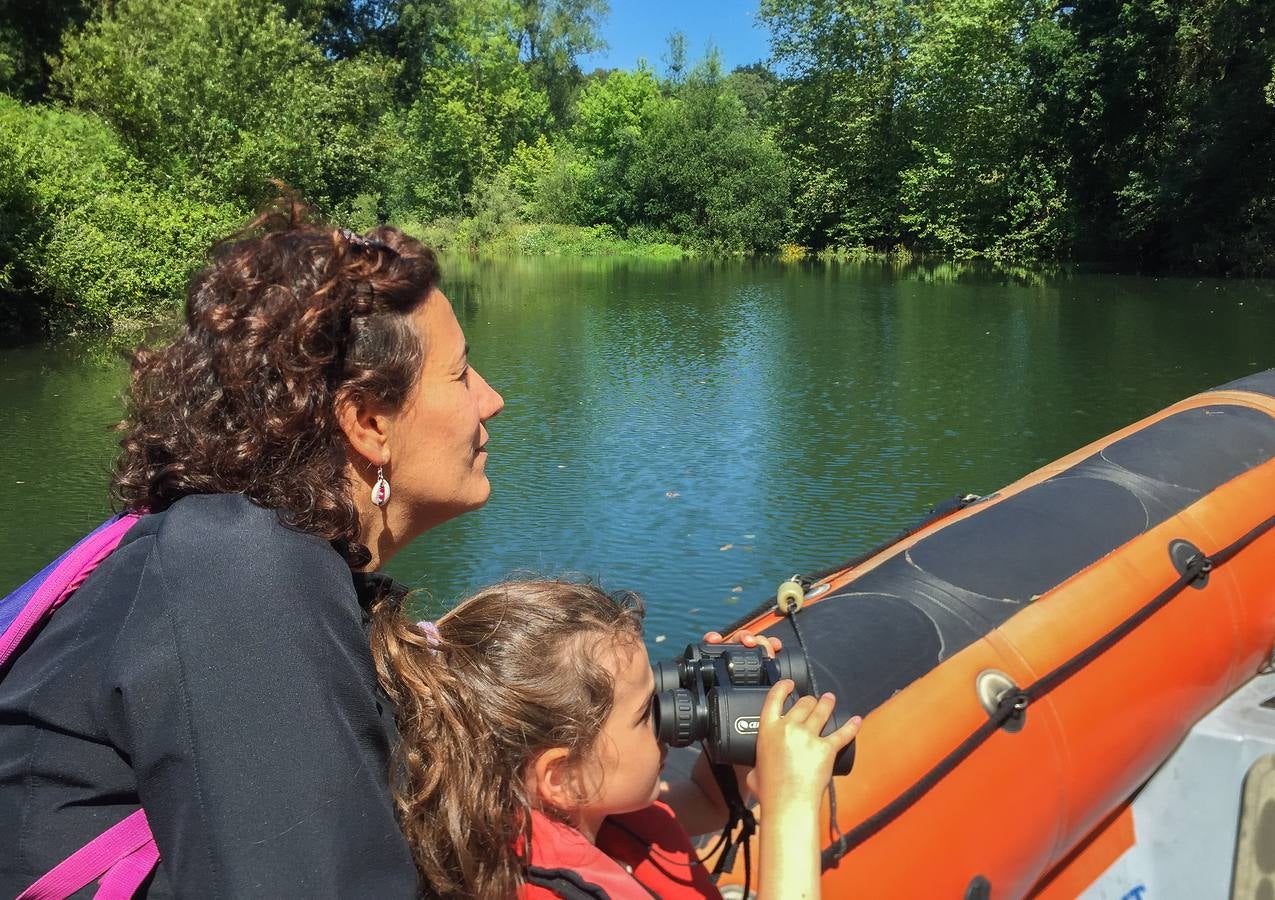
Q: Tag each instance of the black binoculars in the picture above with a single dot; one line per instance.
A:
(714, 693)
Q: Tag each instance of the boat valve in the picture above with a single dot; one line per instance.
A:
(790, 597)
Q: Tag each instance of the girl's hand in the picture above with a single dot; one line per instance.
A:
(771, 645)
(794, 759)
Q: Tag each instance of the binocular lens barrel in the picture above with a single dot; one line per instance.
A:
(728, 721)
(714, 693)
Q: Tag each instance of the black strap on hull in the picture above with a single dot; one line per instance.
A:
(1014, 704)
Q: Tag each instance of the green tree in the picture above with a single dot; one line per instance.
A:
(612, 112)
(30, 34)
(585, 183)
(675, 65)
(756, 86)
(1172, 135)
(86, 238)
(551, 36)
(843, 114)
(703, 170)
(230, 93)
(472, 107)
(981, 183)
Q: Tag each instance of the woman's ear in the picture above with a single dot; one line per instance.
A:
(366, 429)
(551, 780)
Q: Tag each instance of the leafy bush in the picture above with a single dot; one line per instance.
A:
(86, 238)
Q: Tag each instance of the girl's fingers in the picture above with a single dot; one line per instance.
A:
(846, 733)
(801, 710)
(822, 710)
(748, 639)
(774, 702)
(769, 644)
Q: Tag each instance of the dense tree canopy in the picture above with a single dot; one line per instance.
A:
(1131, 131)
(1134, 132)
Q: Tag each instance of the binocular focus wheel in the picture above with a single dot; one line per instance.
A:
(790, 597)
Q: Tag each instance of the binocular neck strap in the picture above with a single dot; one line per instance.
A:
(739, 815)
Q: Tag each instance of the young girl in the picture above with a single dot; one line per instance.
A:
(528, 755)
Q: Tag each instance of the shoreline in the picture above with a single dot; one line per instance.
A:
(27, 322)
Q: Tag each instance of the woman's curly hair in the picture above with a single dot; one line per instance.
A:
(290, 319)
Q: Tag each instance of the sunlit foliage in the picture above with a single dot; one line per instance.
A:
(1135, 132)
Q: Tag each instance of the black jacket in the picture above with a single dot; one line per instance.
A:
(214, 670)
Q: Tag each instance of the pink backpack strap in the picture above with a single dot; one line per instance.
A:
(61, 581)
(127, 875)
(122, 856)
(125, 854)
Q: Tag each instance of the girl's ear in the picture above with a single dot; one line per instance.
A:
(551, 780)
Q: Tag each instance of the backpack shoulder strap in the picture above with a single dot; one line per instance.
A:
(122, 856)
(25, 610)
(125, 854)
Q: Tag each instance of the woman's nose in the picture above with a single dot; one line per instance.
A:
(492, 402)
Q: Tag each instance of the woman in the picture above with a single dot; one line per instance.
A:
(315, 414)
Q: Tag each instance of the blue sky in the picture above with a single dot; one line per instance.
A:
(639, 28)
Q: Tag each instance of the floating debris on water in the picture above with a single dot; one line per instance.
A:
(725, 546)
(691, 612)
(659, 639)
(737, 589)
(671, 494)
(561, 467)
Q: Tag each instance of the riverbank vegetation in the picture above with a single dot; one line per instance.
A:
(1136, 133)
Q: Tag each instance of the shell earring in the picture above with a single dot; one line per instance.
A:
(381, 490)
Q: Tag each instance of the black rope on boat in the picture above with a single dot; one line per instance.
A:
(1014, 703)
(834, 827)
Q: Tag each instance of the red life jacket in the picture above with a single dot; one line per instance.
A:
(638, 856)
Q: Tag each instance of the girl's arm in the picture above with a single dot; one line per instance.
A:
(794, 763)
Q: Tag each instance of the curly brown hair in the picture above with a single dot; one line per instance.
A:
(290, 319)
(513, 671)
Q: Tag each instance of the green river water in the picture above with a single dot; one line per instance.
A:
(699, 431)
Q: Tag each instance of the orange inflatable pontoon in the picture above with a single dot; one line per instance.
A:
(1025, 661)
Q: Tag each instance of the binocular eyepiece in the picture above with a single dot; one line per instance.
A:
(714, 693)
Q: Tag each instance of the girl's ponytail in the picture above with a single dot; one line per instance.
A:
(442, 773)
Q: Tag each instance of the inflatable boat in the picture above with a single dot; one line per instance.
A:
(1062, 681)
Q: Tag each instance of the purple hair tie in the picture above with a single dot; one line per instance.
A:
(357, 240)
(431, 632)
